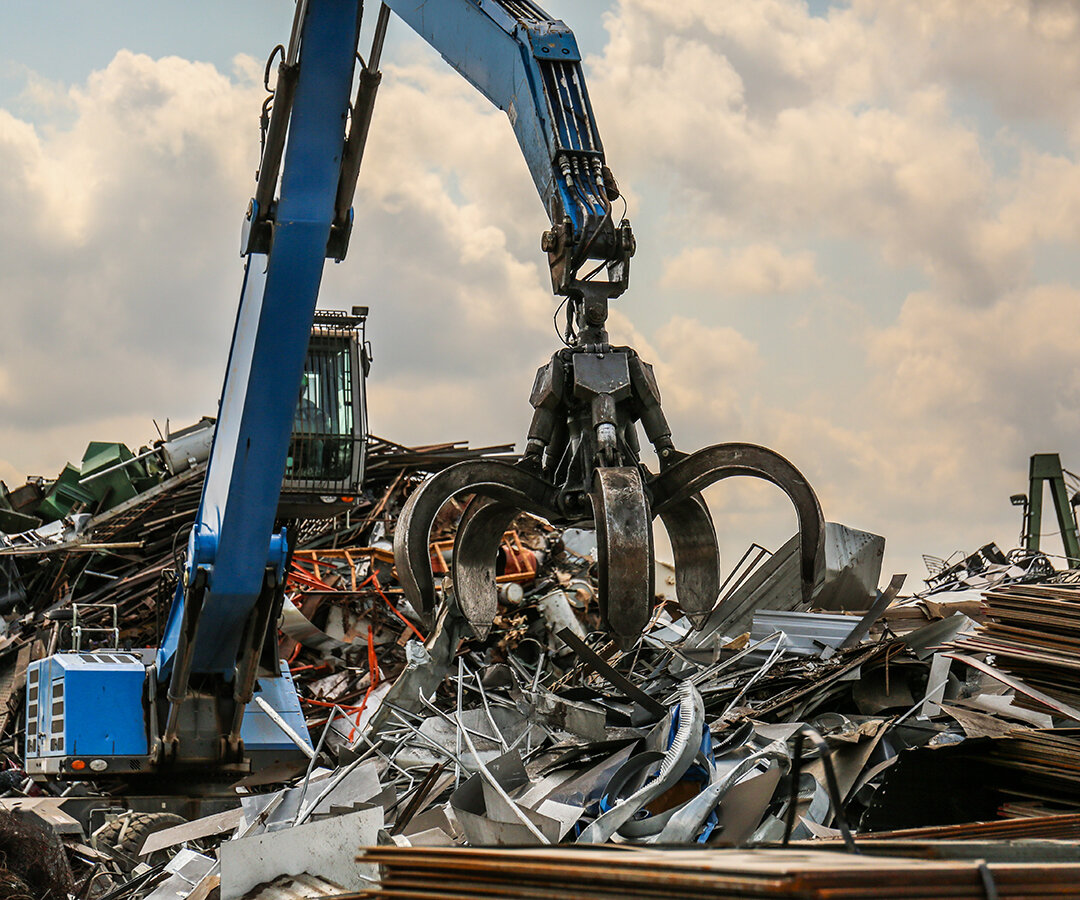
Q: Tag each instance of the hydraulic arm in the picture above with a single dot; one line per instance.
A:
(529, 66)
(582, 458)
(227, 603)
(581, 463)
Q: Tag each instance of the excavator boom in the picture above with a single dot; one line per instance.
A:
(582, 461)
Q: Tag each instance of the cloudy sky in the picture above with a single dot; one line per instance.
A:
(856, 226)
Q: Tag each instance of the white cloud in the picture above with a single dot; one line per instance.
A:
(119, 267)
(906, 177)
(900, 135)
(700, 370)
(905, 168)
(1013, 362)
(754, 269)
(116, 255)
(1020, 55)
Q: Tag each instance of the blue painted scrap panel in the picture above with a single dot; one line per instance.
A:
(259, 732)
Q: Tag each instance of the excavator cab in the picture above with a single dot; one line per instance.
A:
(325, 464)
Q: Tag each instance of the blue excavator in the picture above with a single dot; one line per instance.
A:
(215, 697)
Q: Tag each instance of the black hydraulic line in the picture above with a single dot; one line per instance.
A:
(270, 165)
(832, 786)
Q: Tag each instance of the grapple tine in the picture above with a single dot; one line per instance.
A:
(697, 557)
(625, 551)
(697, 471)
(412, 557)
(476, 552)
(512, 485)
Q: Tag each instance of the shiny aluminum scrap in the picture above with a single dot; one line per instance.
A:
(582, 468)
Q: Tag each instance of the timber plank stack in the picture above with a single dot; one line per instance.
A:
(1033, 630)
(643, 874)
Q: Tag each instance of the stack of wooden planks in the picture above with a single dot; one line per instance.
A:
(1033, 630)
(645, 873)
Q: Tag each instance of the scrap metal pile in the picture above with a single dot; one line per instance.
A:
(866, 722)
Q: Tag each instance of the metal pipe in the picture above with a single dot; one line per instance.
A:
(487, 712)
(284, 92)
(715, 669)
(182, 660)
(151, 702)
(120, 465)
(433, 744)
(484, 737)
(39, 549)
(501, 791)
(773, 657)
(457, 741)
(341, 775)
(270, 164)
(379, 37)
(311, 761)
(294, 34)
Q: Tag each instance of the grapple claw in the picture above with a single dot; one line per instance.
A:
(513, 486)
(697, 471)
(582, 466)
(475, 555)
(697, 556)
(625, 551)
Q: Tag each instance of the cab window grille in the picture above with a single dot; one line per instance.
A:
(327, 443)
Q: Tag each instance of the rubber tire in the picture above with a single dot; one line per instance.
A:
(139, 827)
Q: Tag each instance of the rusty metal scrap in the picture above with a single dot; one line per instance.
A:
(446, 738)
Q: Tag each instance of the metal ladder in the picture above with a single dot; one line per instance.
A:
(78, 630)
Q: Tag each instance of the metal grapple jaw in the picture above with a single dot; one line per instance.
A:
(581, 467)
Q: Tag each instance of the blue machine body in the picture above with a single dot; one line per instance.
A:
(223, 612)
(72, 701)
(259, 732)
(92, 710)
